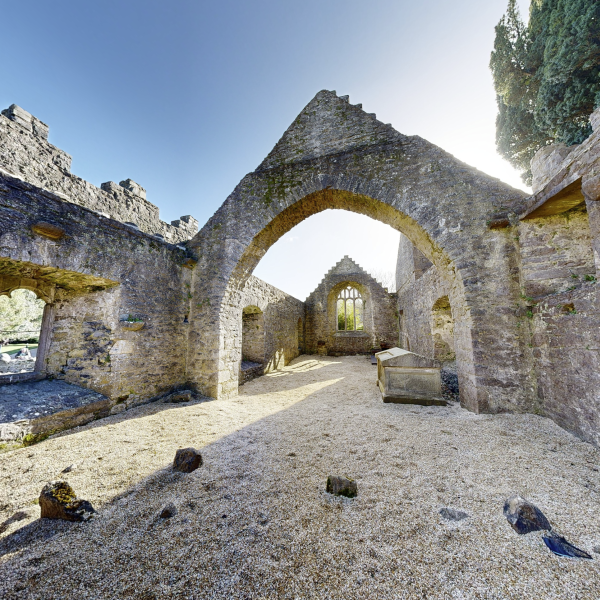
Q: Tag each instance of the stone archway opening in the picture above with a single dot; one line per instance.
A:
(300, 335)
(234, 346)
(442, 330)
(335, 155)
(253, 344)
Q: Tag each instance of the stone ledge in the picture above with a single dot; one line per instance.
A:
(40, 408)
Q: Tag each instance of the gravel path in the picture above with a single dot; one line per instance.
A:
(255, 521)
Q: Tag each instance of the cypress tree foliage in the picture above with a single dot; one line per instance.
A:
(546, 75)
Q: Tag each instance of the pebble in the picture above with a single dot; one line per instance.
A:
(451, 514)
(341, 486)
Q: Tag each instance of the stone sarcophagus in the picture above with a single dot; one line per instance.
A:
(408, 378)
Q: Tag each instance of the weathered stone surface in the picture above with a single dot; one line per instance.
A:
(39, 408)
(546, 162)
(451, 514)
(341, 486)
(271, 324)
(380, 326)
(187, 460)
(525, 517)
(562, 185)
(99, 271)
(250, 370)
(52, 232)
(179, 396)
(16, 366)
(404, 377)
(59, 501)
(25, 152)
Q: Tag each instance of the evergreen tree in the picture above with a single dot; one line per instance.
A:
(546, 76)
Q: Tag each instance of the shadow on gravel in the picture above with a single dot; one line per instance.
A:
(37, 531)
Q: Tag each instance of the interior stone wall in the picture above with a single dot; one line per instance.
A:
(565, 344)
(380, 321)
(279, 313)
(25, 153)
(442, 330)
(416, 303)
(411, 263)
(555, 251)
(561, 316)
(96, 274)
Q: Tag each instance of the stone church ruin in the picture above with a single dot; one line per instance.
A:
(498, 283)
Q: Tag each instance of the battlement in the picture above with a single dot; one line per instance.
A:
(25, 153)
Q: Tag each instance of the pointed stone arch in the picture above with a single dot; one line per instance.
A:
(335, 156)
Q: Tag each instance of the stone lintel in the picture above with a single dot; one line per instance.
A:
(558, 199)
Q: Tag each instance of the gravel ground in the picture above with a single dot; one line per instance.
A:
(255, 521)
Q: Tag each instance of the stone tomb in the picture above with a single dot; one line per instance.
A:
(408, 378)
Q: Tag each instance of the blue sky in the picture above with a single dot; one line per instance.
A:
(187, 97)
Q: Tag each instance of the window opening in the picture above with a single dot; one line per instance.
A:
(20, 324)
(350, 310)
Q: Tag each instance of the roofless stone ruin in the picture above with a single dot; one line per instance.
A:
(497, 286)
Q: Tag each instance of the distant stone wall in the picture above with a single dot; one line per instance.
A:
(279, 315)
(416, 307)
(25, 153)
(95, 273)
(411, 263)
(380, 324)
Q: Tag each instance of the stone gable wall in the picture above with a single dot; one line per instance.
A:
(380, 321)
(25, 153)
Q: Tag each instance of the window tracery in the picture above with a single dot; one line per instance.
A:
(350, 310)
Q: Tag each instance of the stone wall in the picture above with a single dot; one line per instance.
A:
(95, 274)
(411, 263)
(416, 304)
(334, 155)
(555, 251)
(380, 321)
(277, 316)
(25, 153)
(565, 345)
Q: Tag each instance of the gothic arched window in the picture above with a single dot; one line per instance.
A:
(350, 310)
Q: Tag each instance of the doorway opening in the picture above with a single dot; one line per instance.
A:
(253, 344)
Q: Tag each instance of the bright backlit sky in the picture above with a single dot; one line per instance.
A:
(186, 97)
